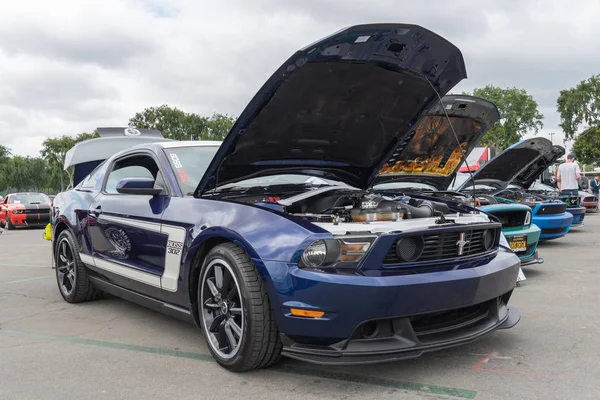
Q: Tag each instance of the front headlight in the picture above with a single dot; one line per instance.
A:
(17, 211)
(503, 241)
(343, 251)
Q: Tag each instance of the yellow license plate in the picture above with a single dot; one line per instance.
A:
(518, 245)
(48, 232)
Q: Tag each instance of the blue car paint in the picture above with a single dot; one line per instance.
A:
(578, 216)
(275, 241)
(561, 222)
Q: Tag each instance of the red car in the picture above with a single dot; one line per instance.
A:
(589, 201)
(25, 209)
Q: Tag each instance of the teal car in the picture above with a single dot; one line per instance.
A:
(522, 235)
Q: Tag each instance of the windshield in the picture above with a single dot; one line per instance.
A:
(189, 164)
(458, 180)
(404, 185)
(36, 198)
(283, 179)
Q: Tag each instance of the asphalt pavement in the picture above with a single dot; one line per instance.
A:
(112, 349)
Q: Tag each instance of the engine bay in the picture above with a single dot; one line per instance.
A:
(336, 204)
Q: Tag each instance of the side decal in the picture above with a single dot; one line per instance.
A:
(173, 254)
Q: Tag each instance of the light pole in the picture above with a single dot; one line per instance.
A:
(551, 134)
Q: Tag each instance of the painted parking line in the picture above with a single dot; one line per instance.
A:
(25, 265)
(25, 280)
(339, 376)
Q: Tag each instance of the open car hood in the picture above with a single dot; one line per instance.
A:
(505, 167)
(432, 155)
(339, 108)
(526, 178)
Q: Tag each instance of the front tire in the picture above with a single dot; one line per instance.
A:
(236, 317)
(71, 273)
(8, 224)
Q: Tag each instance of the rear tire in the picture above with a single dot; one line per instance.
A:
(71, 273)
(235, 313)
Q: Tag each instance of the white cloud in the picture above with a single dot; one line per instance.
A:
(68, 66)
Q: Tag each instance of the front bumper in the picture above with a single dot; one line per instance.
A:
(532, 234)
(402, 341)
(578, 216)
(413, 313)
(32, 220)
(553, 226)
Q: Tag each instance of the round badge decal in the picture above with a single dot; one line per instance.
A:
(132, 132)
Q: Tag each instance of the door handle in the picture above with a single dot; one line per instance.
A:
(97, 211)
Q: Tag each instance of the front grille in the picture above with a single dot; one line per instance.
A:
(510, 219)
(36, 211)
(589, 199)
(444, 245)
(432, 323)
(551, 231)
(572, 201)
(550, 209)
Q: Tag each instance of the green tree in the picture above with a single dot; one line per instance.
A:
(218, 126)
(579, 105)
(171, 121)
(24, 173)
(53, 152)
(587, 146)
(5, 153)
(518, 114)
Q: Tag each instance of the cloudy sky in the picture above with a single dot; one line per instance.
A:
(68, 66)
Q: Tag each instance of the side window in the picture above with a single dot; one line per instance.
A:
(132, 167)
(95, 179)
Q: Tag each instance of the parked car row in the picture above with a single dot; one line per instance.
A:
(327, 226)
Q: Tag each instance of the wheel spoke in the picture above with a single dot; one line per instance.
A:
(63, 258)
(219, 277)
(71, 278)
(236, 311)
(211, 304)
(235, 328)
(231, 340)
(63, 249)
(211, 286)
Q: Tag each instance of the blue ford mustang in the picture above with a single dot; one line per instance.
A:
(506, 178)
(246, 240)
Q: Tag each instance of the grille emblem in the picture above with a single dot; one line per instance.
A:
(461, 243)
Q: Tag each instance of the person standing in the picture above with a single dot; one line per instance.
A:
(568, 176)
(595, 184)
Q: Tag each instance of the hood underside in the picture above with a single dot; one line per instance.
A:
(509, 164)
(433, 155)
(526, 178)
(339, 108)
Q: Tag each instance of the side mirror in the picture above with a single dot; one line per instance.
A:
(143, 186)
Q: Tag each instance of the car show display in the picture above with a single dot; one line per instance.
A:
(520, 165)
(235, 237)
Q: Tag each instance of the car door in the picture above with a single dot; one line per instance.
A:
(128, 244)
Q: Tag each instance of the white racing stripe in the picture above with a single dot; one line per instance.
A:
(122, 270)
(173, 254)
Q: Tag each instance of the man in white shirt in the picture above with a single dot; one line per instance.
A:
(568, 176)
